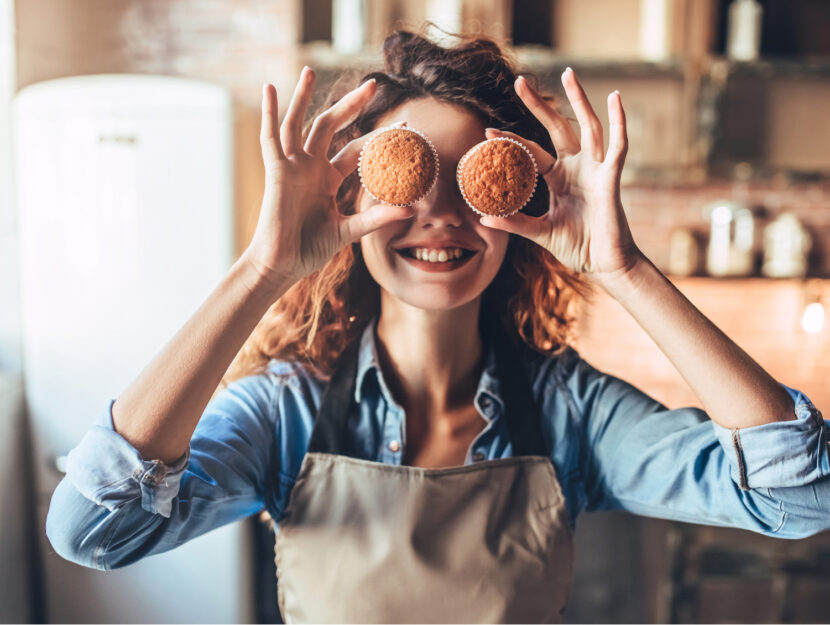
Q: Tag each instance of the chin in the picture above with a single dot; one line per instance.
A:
(432, 299)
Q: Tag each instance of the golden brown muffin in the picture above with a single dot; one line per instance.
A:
(398, 166)
(497, 176)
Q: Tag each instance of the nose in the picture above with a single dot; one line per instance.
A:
(442, 207)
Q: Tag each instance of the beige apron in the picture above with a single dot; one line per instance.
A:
(368, 542)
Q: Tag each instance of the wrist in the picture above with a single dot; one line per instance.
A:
(623, 282)
(259, 279)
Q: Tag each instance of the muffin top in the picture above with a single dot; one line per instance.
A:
(497, 176)
(398, 166)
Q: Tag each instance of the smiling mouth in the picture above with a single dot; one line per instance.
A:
(436, 259)
(436, 255)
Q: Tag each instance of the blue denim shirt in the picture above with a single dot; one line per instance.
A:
(612, 446)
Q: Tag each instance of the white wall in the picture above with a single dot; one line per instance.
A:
(10, 331)
(15, 522)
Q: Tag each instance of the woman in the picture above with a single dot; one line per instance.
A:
(424, 439)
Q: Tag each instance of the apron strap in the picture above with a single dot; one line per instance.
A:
(330, 435)
(521, 413)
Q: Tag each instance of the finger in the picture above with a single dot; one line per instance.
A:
(590, 127)
(268, 139)
(536, 229)
(292, 126)
(327, 123)
(544, 160)
(352, 227)
(561, 133)
(345, 161)
(617, 135)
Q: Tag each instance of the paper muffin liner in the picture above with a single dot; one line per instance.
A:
(477, 147)
(398, 126)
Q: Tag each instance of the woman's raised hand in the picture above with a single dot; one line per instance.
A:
(585, 227)
(299, 227)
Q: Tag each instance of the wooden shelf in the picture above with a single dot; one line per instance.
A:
(688, 116)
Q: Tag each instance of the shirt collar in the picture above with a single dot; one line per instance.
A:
(487, 393)
(367, 359)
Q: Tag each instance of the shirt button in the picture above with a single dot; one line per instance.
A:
(478, 456)
(394, 446)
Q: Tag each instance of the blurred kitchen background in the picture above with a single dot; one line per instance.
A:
(130, 179)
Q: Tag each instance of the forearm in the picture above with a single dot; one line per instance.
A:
(158, 412)
(735, 391)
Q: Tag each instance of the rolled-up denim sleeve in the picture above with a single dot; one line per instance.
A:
(638, 455)
(109, 471)
(114, 507)
(782, 454)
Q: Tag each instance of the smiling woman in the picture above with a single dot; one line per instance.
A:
(451, 95)
(407, 408)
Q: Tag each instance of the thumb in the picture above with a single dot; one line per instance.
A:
(352, 227)
(533, 228)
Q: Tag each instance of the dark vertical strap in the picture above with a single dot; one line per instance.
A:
(330, 434)
(522, 416)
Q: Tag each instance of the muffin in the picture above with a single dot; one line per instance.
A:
(398, 166)
(497, 177)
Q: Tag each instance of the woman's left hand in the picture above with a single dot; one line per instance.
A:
(585, 227)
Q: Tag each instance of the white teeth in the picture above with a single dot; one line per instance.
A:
(438, 256)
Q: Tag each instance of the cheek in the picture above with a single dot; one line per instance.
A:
(372, 250)
(497, 242)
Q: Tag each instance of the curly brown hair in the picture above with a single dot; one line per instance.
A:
(531, 295)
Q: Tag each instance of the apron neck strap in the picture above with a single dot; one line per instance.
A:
(330, 434)
(521, 413)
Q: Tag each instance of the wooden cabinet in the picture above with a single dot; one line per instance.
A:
(763, 316)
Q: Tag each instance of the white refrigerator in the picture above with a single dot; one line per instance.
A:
(125, 210)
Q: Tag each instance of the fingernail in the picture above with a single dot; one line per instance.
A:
(568, 69)
(371, 81)
(493, 130)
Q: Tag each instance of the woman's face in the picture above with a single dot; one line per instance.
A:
(442, 221)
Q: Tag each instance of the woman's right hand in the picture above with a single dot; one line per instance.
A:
(299, 227)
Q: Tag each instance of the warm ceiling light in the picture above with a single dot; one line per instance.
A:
(812, 321)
